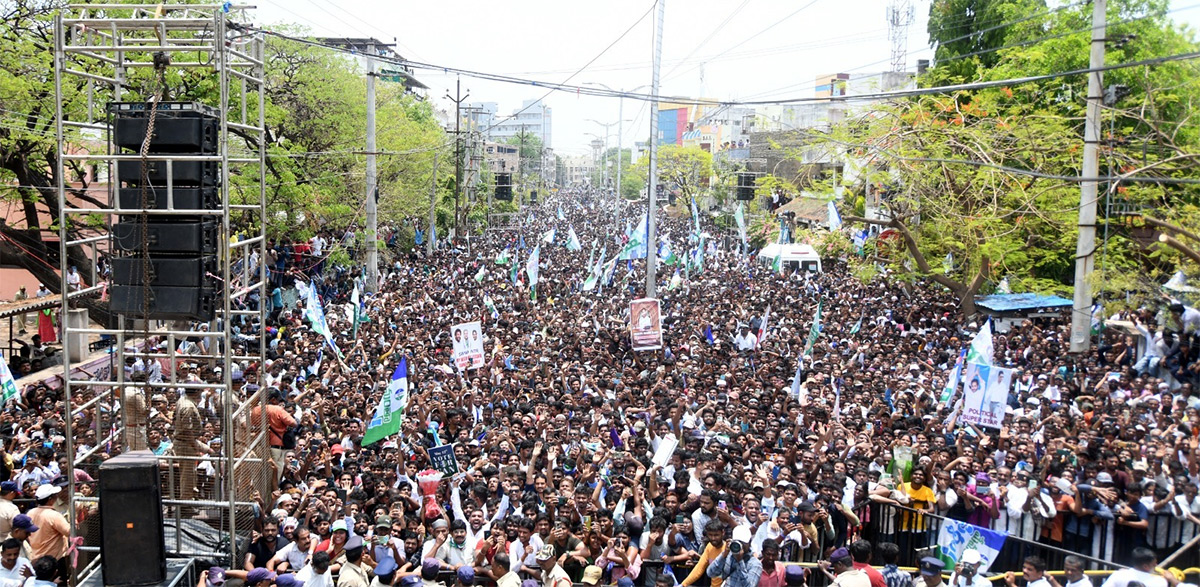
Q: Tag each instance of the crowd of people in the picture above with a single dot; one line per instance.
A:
(778, 448)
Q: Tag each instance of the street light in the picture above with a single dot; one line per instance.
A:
(620, 126)
(596, 144)
(604, 174)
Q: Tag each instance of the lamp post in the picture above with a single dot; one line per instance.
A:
(620, 126)
(606, 126)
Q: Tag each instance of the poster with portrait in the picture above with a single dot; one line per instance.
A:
(466, 342)
(985, 394)
(644, 324)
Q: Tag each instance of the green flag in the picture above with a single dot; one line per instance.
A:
(777, 264)
(502, 258)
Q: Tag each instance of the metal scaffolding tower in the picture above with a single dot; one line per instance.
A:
(136, 56)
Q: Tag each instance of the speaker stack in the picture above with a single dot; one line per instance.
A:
(745, 185)
(171, 258)
(504, 186)
(131, 520)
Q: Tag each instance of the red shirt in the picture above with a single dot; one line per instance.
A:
(872, 573)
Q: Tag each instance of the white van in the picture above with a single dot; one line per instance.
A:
(792, 257)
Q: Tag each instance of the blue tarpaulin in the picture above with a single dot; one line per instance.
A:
(1020, 302)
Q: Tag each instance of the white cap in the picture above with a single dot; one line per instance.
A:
(971, 556)
(46, 490)
(742, 534)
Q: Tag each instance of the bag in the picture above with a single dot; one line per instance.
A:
(288, 440)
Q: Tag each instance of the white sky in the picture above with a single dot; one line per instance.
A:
(550, 39)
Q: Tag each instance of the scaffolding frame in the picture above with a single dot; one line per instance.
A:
(97, 49)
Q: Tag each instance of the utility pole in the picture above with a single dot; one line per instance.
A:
(521, 163)
(458, 100)
(1085, 249)
(651, 238)
(432, 208)
(372, 189)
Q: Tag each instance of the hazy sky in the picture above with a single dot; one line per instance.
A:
(711, 48)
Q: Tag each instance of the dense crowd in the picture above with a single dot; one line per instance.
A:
(857, 463)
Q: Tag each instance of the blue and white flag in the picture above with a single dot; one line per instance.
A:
(797, 389)
(389, 414)
(573, 240)
(740, 217)
(419, 238)
(835, 219)
(956, 537)
(561, 216)
(860, 240)
(954, 379)
(531, 268)
(316, 317)
(548, 236)
(695, 216)
(8, 385)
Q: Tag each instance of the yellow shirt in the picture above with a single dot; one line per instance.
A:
(918, 499)
(710, 554)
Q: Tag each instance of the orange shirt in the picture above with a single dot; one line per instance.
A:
(51, 537)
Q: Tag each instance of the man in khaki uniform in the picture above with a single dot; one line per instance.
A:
(136, 413)
(188, 427)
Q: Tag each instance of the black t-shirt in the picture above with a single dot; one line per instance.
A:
(263, 552)
(573, 567)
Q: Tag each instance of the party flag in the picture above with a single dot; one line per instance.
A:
(389, 414)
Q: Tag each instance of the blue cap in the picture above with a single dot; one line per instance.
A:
(466, 575)
(624, 582)
(259, 575)
(9, 487)
(410, 581)
(386, 566)
(288, 580)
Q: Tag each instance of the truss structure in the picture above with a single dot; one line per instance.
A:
(134, 54)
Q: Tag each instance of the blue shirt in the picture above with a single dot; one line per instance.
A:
(734, 571)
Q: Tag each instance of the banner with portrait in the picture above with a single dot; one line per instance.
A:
(467, 345)
(645, 325)
(985, 394)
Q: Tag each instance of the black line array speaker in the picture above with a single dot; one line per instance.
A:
(746, 185)
(167, 263)
(133, 543)
(504, 186)
(532, 196)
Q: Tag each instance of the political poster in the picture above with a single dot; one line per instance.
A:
(467, 345)
(644, 324)
(985, 394)
(441, 458)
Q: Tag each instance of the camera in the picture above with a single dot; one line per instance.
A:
(735, 547)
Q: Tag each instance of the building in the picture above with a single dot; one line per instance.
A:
(579, 169)
(533, 117)
(502, 157)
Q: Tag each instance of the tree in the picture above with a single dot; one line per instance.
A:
(965, 33)
(686, 168)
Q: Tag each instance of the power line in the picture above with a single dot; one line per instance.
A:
(709, 37)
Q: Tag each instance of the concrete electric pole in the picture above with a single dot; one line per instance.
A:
(458, 151)
(1085, 249)
(652, 176)
(372, 214)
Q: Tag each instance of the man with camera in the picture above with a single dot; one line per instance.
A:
(966, 572)
(737, 567)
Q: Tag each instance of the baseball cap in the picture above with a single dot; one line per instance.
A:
(1104, 477)
(338, 525)
(288, 580)
(383, 522)
(46, 490)
(24, 522)
(591, 575)
(970, 556)
(546, 553)
(258, 575)
(386, 566)
(410, 581)
(466, 575)
(9, 487)
(216, 577)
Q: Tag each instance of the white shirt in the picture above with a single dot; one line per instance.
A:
(14, 578)
(296, 558)
(1124, 577)
(311, 580)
